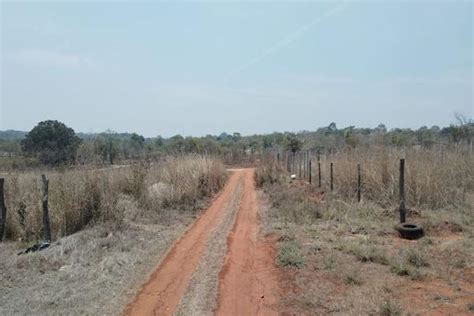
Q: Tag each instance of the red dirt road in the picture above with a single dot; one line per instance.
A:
(247, 282)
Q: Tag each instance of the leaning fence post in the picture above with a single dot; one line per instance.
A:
(46, 226)
(358, 182)
(3, 209)
(402, 191)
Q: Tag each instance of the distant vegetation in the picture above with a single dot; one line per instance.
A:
(53, 143)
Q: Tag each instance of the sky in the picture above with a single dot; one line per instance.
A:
(197, 68)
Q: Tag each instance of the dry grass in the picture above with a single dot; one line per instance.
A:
(92, 272)
(127, 217)
(354, 262)
(82, 197)
(433, 179)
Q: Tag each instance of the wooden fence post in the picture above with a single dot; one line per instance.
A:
(332, 177)
(309, 172)
(46, 225)
(319, 174)
(402, 191)
(358, 182)
(3, 209)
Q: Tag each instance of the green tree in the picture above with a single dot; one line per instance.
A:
(52, 142)
(293, 143)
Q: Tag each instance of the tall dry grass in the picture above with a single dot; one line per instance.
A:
(86, 196)
(433, 179)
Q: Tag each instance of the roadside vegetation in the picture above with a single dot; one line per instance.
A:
(109, 226)
(342, 256)
(87, 196)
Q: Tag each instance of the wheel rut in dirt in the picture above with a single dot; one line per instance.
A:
(242, 281)
(248, 282)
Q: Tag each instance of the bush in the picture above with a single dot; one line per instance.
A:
(53, 142)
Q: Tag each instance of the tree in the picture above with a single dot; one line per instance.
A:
(293, 143)
(137, 144)
(105, 145)
(52, 142)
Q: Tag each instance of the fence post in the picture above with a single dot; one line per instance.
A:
(319, 174)
(309, 172)
(3, 209)
(402, 191)
(332, 177)
(46, 226)
(358, 182)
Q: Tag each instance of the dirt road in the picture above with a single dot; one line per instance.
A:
(220, 265)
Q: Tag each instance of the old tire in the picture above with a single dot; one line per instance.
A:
(410, 231)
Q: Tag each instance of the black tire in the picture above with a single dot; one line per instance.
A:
(410, 231)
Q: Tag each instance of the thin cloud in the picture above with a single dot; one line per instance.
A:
(288, 39)
(47, 58)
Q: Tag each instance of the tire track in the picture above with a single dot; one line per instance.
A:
(163, 291)
(248, 281)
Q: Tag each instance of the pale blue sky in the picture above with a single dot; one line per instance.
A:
(207, 67)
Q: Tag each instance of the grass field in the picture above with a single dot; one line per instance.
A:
(344, 257)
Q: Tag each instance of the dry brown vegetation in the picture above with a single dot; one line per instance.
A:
(344, 257)
(119, 223)
(81, 197)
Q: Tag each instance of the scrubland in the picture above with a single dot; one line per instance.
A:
(340, 256)
(110, 227)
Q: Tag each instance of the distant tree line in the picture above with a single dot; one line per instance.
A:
(52, 143)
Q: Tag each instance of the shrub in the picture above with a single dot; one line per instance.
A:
(53, 142)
